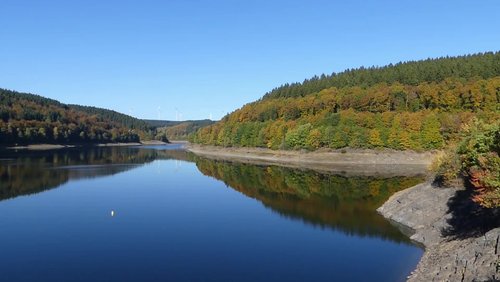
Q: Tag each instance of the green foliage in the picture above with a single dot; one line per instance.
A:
(369, 108)
(477, 159)
(431, 135)
(29, 119)
(374, 139)
(394, 139)
(479, 153)
(314, 139)
(180, 130)
(449, 168)
(340, 139)
(325, 199)
(298, 138)
(110, 115)
(28, 173)
(483, 65)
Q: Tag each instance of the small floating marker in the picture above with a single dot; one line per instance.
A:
(112, 213)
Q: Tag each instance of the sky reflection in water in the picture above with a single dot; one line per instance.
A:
(183, 218)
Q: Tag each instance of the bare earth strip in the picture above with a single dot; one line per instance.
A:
(349, 161)
(41, 147)
(36, 147)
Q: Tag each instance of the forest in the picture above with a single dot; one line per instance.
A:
(31, 119)
(182, 130)
(482, 65)
(123, 119)
(450, 103)
(397, 116)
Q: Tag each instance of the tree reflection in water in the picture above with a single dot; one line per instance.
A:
(346, 204)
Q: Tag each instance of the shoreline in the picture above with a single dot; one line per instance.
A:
(348, 161)
(450, 253)
(41, 147)
(424, 213)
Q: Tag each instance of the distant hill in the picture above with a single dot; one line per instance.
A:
(179, 130)
(29, 119)
(126, 120)
(418, 105)
(160, 123)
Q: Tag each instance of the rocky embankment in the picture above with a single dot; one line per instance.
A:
(458, 244)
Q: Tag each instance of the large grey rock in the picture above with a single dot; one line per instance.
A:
(425, 210)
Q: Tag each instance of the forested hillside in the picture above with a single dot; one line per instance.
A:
(415, 105)
(483, 65)
(182, 130)
(161, 123)
(29, 119)
(123, 119)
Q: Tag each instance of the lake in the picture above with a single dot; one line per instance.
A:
(163, 214)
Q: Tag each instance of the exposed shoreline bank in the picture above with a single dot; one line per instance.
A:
(40, 147)
(452, 253)
(349, 161)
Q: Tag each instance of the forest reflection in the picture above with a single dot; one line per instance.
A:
(346, 204)
(29, 172)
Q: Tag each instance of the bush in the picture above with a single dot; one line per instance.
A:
(449, 169)
(480, 161)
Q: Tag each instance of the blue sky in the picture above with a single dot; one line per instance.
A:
(199, 58)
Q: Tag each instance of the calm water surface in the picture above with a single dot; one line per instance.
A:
(178, 217)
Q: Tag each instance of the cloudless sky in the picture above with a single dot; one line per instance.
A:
(152, 59)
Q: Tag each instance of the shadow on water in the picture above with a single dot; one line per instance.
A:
(469, 219)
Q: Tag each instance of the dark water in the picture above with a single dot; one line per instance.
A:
(178, 217)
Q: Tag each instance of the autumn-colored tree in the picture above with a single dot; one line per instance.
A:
(431, 135)
(34, 119)
(297, 138)
(314, 139)
(374, 138)
(340, 139)
(417, 107)
(394, 139)
(405, 140)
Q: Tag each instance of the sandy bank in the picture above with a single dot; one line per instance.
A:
(118, 144)
(349, 161)
(455, 250)
(146, 143)
(153, 142)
